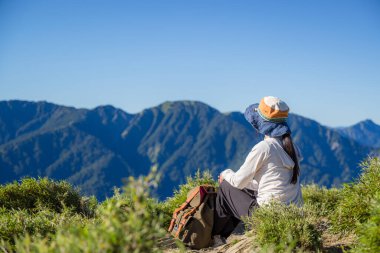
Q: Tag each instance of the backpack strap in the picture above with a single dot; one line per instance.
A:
(183, 206)
(186, 216)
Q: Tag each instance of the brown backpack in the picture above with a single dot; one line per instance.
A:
(192, 222)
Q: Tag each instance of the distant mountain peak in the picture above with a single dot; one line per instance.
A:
(365, 132)
(106, 107)
(367, 126)
(191, 105)
(109, 109)
(367, 122)
(184, 103)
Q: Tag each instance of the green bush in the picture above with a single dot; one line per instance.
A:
(39, 207)
(34, 194)
(282, 228)
(44, 223)
(121, 227)
(369, 232)
(167, 207)
(118, 197)
(153, 206)
(355, 199)
(322, 199)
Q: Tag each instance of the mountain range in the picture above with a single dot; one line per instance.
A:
(96, 149)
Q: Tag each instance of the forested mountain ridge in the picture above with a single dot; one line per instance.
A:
(95, 149)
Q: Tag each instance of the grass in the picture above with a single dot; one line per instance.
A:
(283, 227)
(119, 227)
(355, 199)
(39, 207)
(33, 194)
(369, 231)
(43, 223)
(42, 215)
(323, 200)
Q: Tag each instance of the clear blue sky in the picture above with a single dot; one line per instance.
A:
(322, 57)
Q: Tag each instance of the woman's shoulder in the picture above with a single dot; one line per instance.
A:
(262, 146)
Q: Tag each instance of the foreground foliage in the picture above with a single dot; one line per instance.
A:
(39, 207)
(43, 223)
(356, 198)
(369, 231)
(119, 227)
(322, 200)
(33, 194)
(280, 227)
(41, 215)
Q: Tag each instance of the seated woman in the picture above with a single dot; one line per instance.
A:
(270, 171)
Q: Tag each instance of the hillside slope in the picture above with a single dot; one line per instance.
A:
(95, 149)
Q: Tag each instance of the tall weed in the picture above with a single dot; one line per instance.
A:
(284, 228)
(323, 200)
(34, 194)
(121, 227)
(39, 207)
(44, 223)
(369, 232)
(355, 199)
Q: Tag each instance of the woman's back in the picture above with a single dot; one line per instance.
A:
(275, 174)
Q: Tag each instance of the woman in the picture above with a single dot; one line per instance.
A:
(270, 171)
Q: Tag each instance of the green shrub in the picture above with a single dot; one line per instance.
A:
(44, 223)
(153, 206)
(34, 194)
(369, 232)
(118, 197)
(355, 199)
(167, 207)
(39, 207)
(121, 227)
(322, 199)
(282, 228)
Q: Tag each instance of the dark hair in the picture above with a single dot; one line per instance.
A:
(287, 143)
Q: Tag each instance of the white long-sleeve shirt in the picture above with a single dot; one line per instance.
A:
(268, 169)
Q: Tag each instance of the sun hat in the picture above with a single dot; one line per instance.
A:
(269, 116)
